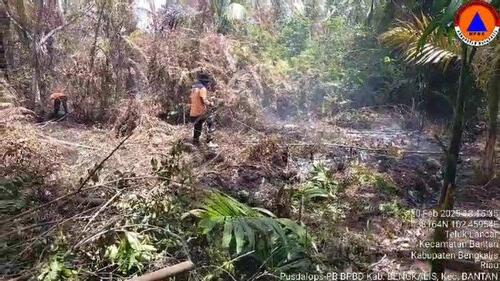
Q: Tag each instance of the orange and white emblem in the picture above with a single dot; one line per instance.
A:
(477, 23)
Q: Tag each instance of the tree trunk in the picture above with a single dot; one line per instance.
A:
(388, 15)
(369, 17)
(22, 20)
(448, 188)
(21, 13)
(55, 7)
(36, 63)
(4, 35)
(64, 6)
(488, 159)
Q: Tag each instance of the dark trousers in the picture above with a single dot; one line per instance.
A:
(198, 127)
(57, 106)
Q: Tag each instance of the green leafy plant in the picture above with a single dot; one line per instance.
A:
(295, 35)
(321, 185)
(320, 175)
(397, 210)
(366, 176)
(278, 243)
(321, 178)
(131, 253)
(58, 266)
(309, 193)
(57, 269)
(146, 210)
(442, 25)
(11, 197)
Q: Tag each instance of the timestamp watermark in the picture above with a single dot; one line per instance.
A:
(391, 276)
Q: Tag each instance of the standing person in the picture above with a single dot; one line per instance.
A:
(199, 103)
(59, 98)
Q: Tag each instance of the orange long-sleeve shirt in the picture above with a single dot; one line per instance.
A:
(197, 100)
(58, 96)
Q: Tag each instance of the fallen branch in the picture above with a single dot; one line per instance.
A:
(102, 231)
(491, 183)
(53, 121)
(101, 209)
(23, 229)
(31, 211)
(98, 167)
(54, 140)
(91, 201)
(166, 272)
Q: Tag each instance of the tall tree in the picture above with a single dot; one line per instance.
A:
(428, 50)
(446, 198)
(36, 80)
(442, 24)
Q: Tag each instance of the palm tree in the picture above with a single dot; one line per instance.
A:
(426, 48)
(441, 51)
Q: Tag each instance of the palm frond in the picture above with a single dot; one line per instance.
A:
(406, 35)
(276, 241)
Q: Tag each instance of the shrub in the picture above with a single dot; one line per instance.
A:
(57, 269)
(58, 266)
(132, 251)
(382, 183)
(397, 210)
(23, 155)
(295, 35)
(92, 95)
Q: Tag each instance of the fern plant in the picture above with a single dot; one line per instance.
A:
(278, 243)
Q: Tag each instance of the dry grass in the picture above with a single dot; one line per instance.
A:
(23, 154)
(16, 114)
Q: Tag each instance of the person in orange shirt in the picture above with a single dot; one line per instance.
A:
(59, 98)
(198, 112)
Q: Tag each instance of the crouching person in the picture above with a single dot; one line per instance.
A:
(60, 104)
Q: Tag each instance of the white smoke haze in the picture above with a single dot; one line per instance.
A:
(143, 8)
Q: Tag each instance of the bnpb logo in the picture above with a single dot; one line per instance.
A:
(477, 23)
